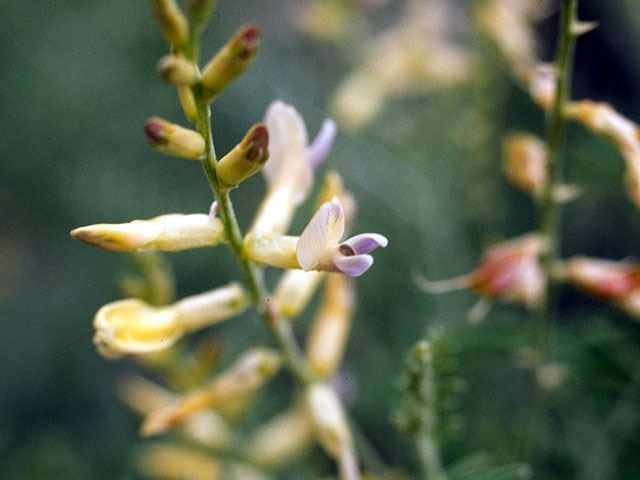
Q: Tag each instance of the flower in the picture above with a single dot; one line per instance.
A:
(331, 427)
(171, 232)
(289, 171)
(245, 377)
(414, 56)
(318, 248)
(509, 271)
(604, 120)
(330, 329)
(131, 326)
(615, 282)
(525, 163)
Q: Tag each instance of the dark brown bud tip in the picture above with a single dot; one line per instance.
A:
(248, 40)
(259, 139)
(155, 131)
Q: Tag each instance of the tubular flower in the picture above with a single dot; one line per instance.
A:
(331, 427)
(295, 287)
(289, 171)
(171, 232)
(509, 271)
(132, 327)
(604, 120)
(282, 438)
(317, 248)
(615, 282)
(236, 384)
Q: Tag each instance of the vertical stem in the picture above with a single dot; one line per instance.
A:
(549, 207)
(279, 327)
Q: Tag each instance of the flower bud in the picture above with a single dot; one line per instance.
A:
(238, 383)
(295, 289)
(331, 325)
(281, 439)
(246, 159)
(188, 102)
(173, 139)
(173, 22)
(177, 70)
(231, 60)
(133, 327)
(615, 282)
(172, 232)
(525, 163)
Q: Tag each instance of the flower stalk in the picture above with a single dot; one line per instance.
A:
(279, 327)
(550, 212)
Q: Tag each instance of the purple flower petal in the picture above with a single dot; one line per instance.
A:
(319, 149)
(353, 266)
(366, 242)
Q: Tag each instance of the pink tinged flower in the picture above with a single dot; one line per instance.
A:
(608, 280)
(318, 246)
(511, 271)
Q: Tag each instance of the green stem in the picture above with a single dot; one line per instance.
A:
(279, 327)
(549, 207)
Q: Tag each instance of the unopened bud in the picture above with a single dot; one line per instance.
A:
(231, 60)
(177, 70)
(173, 139)
(172, 232)
(295, 289)
(281, 439)
(246, 159)
(329, 419)
(173, 22)
(525, 164)
(188, 102)
(330, 329)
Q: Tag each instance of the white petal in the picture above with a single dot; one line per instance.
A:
(287, 142)
(324, 230)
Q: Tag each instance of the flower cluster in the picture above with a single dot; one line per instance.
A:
(417, 55)
(280, 148)
(513, 270)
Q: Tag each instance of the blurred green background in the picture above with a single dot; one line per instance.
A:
(78, 82)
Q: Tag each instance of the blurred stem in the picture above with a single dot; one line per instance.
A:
(550, 217)
(279, 327)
